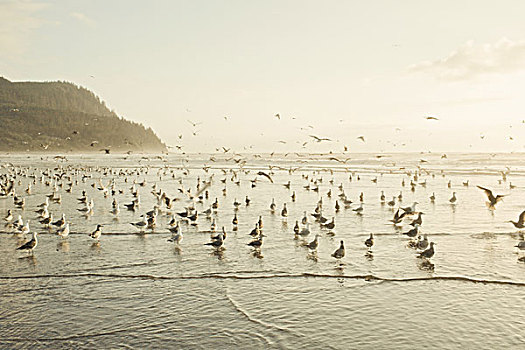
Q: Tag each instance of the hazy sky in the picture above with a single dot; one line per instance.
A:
(346, 68)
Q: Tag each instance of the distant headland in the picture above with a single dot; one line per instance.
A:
(63, 117)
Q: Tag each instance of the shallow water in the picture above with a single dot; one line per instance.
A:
(138, 291)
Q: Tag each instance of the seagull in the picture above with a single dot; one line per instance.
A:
(60, 222)
(392, 202)
(411, 209)
(313, 244)
(362, 138)
(417, 221)
(305, 231)
(492, 200)
(97, 233)
(272, 205)
(257, 243)
(339, 252)
(176, 236)
(398, 217)
(47, 221)
(431, 118)
(284, 212)
(521, 221)
(221, 235)
(330, 225)
(9, 216)
(370, 241)
(64, 231)
(141, 225)
(319, 139)
(255, 231)
(25, 228)
(429, 252)
(412, 232)
(453, 199)
(29, 246)
(217, 242)
(359, 209)
(422, 243)
(193, 123)
(521, 245)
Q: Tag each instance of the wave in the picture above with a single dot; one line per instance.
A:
(254, 275)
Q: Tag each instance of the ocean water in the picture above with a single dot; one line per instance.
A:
(140, 291)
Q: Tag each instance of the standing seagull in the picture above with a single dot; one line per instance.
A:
(97, 233)
(176, 236)
(29, 246)
(370, 241)
(63, 231)
(429, 252)
(339, 252)
(9, 216)
(313, 244)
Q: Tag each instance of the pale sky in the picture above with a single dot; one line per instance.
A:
(346, 68)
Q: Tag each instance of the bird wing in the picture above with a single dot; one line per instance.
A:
(262, 173)
(488, 193)
(521, 219)
(27, 245)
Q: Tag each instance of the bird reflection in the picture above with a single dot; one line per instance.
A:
(95, 246)
(256, 253)
(177, 250)
(340, 271)
(369, 255)
(312, 256)
(30, 259)
(63, 246)
(426, 265)
(219, 253)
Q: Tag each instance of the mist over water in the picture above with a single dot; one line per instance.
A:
(141, 291)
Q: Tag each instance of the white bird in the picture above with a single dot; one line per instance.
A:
(63, 231)
(19, 223)
(176, 237)
(305, 231)
(25, 228)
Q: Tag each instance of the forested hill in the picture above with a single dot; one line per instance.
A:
(63, 117)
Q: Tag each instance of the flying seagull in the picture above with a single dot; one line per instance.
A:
(521, 221)
(194, 123)
(431, 118)
(319, 139)
(362, 138)
(492, 200)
